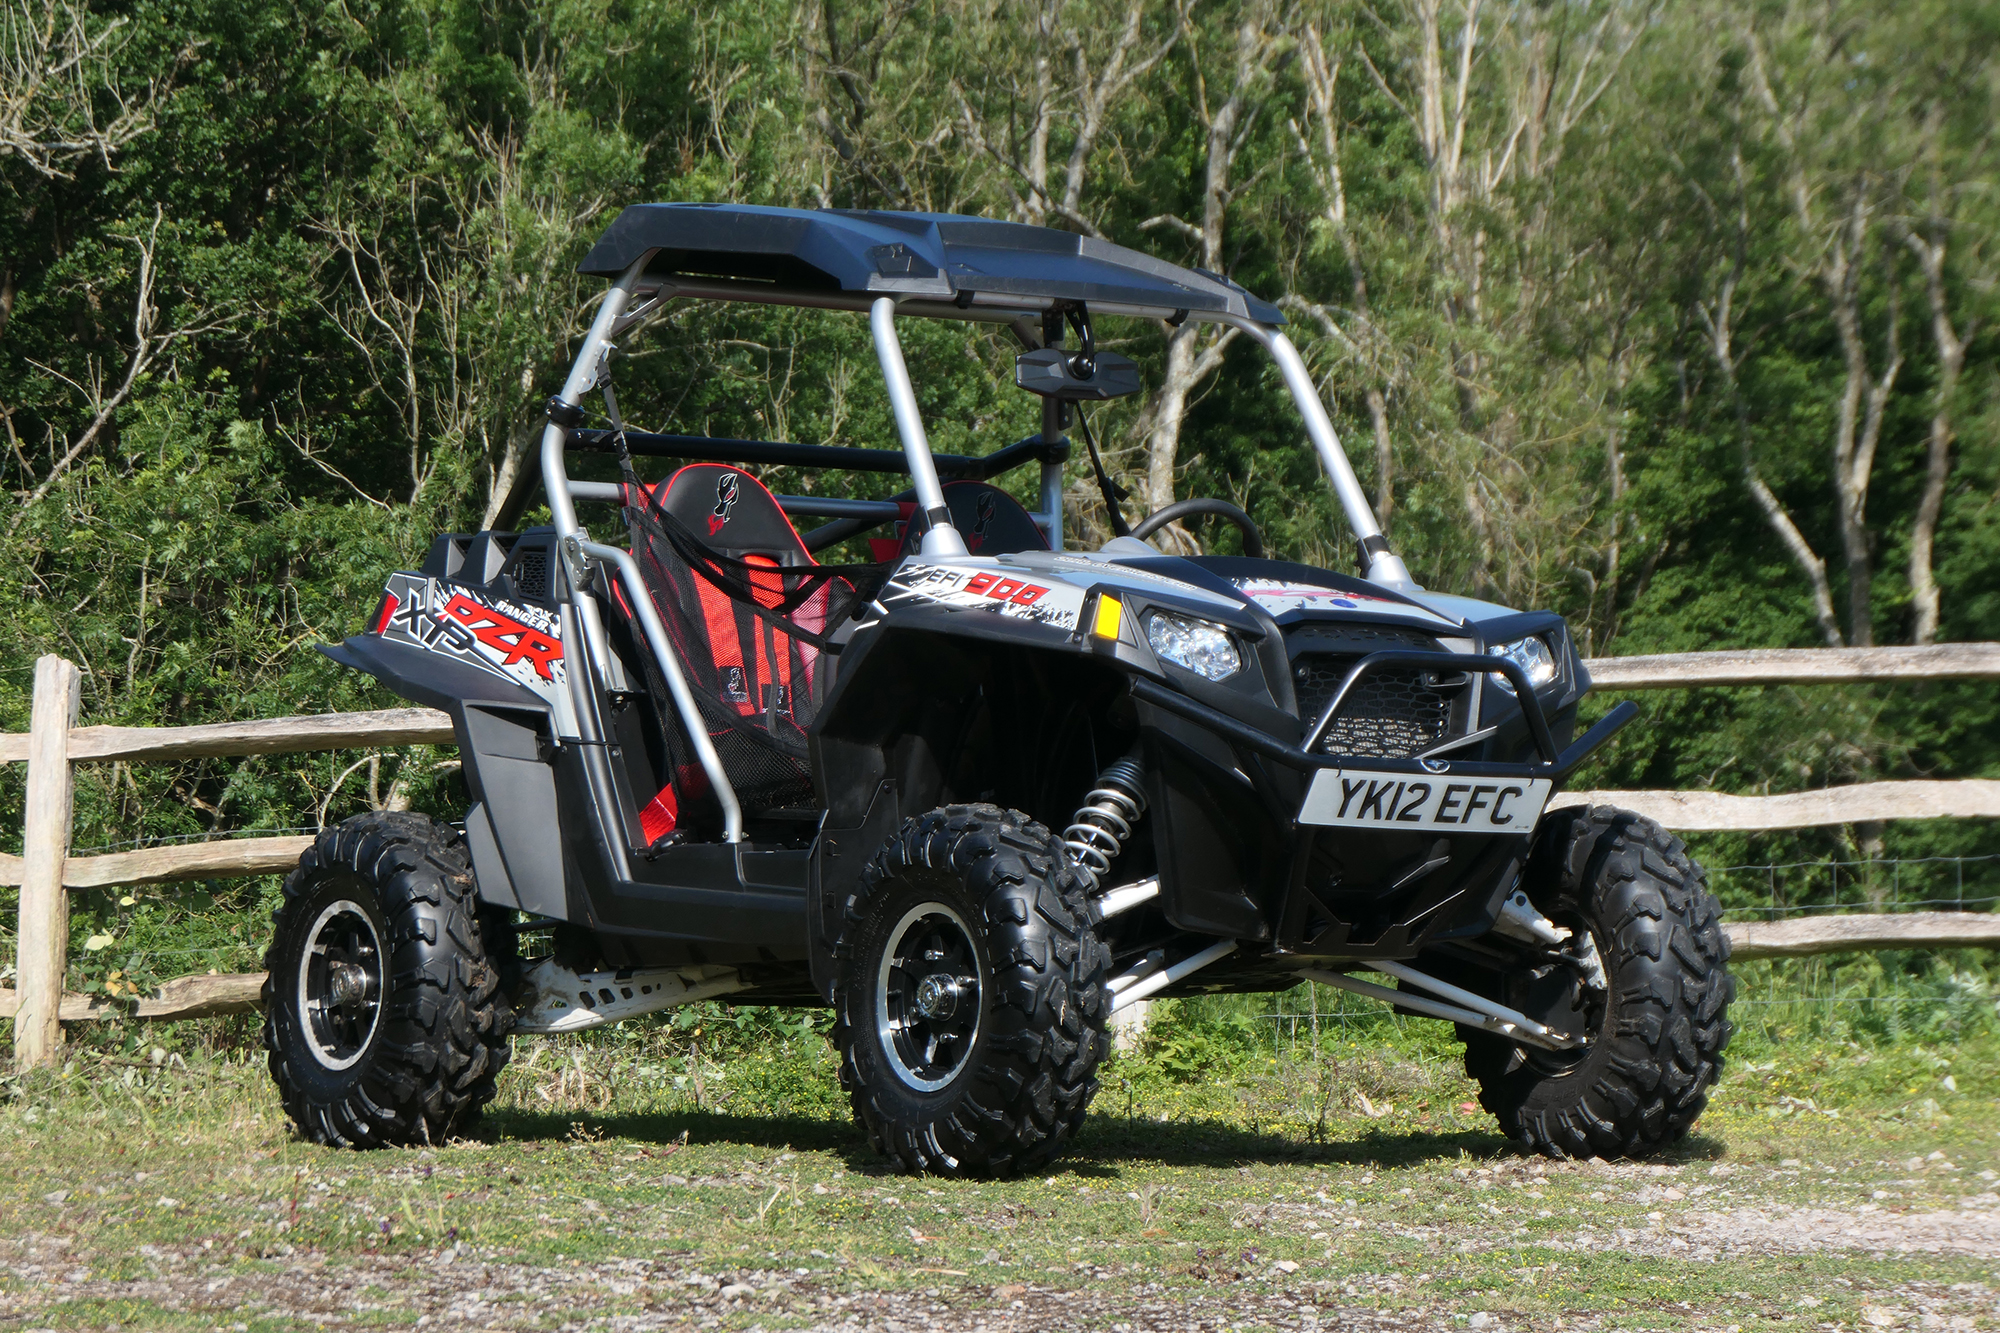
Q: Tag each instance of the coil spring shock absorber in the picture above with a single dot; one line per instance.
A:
(1099, 830)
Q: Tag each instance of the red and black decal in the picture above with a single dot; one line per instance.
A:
(984, 509)
(1006, 590)
(517, 642)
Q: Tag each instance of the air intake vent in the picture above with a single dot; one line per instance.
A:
(531, 566)
(531, 573)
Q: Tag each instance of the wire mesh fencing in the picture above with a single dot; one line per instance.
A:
(1770, 891)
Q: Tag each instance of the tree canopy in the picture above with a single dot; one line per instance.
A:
(1677, 319)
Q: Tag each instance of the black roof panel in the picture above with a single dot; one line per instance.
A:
(937, 256)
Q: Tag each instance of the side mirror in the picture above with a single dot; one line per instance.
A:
(1072, 377)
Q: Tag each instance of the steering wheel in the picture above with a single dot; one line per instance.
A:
(1253, 540)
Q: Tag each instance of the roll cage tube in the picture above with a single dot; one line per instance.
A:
(641, 598)
(940, 537)
(562, 508)
(1383, 565)
(577, 550)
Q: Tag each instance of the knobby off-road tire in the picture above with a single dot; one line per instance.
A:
(383, 1015)
(989, 1078)
(1660, 1026)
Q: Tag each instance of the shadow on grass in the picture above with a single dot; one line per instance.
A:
(1107, 1143)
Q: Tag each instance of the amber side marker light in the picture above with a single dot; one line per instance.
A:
(1110, 617)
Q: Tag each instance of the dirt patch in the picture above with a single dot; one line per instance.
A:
(1758, 1231)
(455, 1290)
(459, 1289)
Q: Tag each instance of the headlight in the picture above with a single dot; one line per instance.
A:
(1197, 645)
(1532, 655)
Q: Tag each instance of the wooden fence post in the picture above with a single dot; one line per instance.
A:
(43, 938)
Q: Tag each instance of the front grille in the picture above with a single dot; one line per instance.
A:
(1391, 713)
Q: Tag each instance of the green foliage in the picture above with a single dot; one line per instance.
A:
(1199, 1038)
(295, 312)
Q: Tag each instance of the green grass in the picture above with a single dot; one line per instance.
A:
(1226, 1175)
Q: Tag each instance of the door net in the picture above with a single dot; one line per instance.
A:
(753, 633)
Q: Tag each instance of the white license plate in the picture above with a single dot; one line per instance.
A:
(1356, 798)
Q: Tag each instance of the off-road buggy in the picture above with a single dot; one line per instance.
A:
(986, 790)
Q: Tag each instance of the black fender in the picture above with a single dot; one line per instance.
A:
(932, 707)
(504, 731)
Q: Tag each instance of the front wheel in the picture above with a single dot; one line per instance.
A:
(383, 1016)
(1644, 975)
(970, 995)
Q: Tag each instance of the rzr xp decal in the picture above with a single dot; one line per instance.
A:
(522, 643)
(725, 499)
(515, 641)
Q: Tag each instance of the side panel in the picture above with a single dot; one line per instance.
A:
(489, 867)
(513, 828)
(515, 794)
(1222, 856)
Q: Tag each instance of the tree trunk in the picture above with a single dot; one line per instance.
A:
(1718, 318)
(1863, 399)
(1924, 598)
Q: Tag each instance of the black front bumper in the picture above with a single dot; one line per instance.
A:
(1236, 861)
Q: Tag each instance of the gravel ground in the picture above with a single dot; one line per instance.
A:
(458, 1288)
(178, 1201)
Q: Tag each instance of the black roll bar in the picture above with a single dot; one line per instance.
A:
(715, 449)
(1292, 756)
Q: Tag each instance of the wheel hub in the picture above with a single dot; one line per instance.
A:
(348, 985)
(928, 995)
(937, 996)
(340, 984)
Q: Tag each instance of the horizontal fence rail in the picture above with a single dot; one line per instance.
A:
(1795, 666)
(241, 992)
(1720, 812)
(45, 871)
(271, 735)
(184, 997)
(161, 865)
(1862, 932)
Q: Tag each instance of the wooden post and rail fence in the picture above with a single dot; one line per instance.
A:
(45, 871)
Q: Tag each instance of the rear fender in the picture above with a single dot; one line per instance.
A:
(503, 730)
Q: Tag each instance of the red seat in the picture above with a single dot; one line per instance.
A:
(744, 665)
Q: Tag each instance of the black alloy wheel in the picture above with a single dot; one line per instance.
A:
(340, 983)
(384, 1018)
(930, 995)
(1643, 920)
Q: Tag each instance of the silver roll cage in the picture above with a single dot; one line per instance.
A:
(633, 297)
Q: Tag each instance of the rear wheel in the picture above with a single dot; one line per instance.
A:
(970, 995)
(1644, 975)
(383, 1016)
